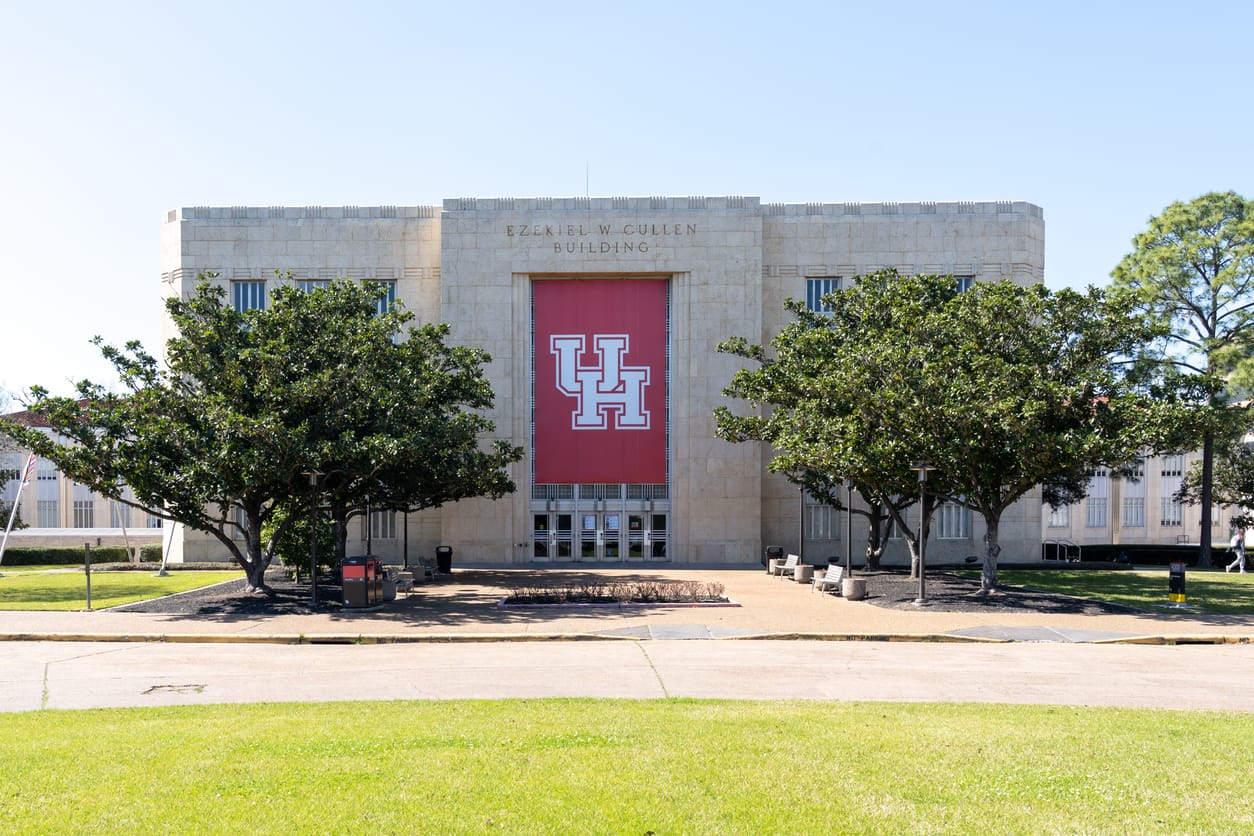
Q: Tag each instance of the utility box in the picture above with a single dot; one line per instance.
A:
(362, 580)
(1175, 583)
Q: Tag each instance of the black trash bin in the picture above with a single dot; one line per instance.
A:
(772, 553)
(444, 559)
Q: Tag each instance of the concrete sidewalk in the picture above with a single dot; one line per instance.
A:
(463, 607)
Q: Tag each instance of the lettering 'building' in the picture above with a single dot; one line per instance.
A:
(602, 317)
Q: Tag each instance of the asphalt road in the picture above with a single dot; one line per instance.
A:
(71, 675)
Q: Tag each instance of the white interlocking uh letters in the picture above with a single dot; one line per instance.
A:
(601, 390)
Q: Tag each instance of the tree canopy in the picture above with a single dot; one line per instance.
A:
(248, 404)
(1192, 272)
(1232, 481)
(1001, 388)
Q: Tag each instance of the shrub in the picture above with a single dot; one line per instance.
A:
(659, 592)
(62, 555)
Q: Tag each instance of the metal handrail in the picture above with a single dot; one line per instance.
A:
(1065, 547)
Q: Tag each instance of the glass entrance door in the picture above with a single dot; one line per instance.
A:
(600, 536)
(552, 536)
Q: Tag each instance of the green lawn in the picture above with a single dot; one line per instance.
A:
(56, 589)
(1208, 590)
(630, 767)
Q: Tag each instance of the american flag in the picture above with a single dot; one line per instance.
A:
(30, 469)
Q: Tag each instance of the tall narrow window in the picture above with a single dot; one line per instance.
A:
(1172, 475)
(383, 525)
(1060, 517)
(822, 521)
(1134, 497)
(964, 283)
(309, 285)
(816, 289)
(953, 522)
(84, 513)
(119, 515)
(386, 302)
(249, 296)
(1099, 492)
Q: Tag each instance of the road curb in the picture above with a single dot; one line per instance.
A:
(484, 638)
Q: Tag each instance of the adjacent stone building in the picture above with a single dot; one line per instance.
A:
(602, 316)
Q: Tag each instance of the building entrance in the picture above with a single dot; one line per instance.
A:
(599, 536)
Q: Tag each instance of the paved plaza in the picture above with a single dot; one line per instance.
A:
(451, 640)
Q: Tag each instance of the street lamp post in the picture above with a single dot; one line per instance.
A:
(849, 529)
(801, 529)
(922, 467)
(313, 475)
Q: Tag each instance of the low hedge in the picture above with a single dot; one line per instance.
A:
(1140, 554)
(73, 555)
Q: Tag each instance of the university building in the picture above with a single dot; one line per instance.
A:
(1139, 507)
(602, 317)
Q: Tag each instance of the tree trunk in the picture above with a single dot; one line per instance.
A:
(339, 530)
(912, 544)
(875, 537)
(255, 571)
(1208, 476)
(258, 561)
(988, 572)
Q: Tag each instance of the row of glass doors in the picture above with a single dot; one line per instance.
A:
(599, 536)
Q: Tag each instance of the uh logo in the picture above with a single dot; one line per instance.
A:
(600, 390)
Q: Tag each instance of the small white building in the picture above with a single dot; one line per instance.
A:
(59, 512)
(1134, 509)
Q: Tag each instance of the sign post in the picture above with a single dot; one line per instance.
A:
(87, 570)
(1175, 584)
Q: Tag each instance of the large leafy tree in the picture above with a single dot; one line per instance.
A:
(1192, 271)
(1232, 481)
(817, 432)
(1002, 388)
(250, 403)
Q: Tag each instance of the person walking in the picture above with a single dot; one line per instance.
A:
(1237, 546)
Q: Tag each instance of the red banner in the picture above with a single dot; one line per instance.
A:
(600, 396)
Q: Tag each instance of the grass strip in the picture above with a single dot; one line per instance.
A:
(61, 590)
(1209, 591)
(632, 767)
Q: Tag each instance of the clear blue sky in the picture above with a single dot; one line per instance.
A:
(113, 113)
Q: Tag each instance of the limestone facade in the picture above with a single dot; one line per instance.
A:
(728, 264)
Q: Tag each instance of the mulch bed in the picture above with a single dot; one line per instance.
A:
(948, 592)
(283, 596)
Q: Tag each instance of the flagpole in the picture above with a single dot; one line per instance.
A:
(17, 500)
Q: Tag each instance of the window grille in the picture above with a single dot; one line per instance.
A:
(249, 296)
(385, 304)
(84, 513)
(383, 525)
(953, 522)
(1134, 512)
(822, 521)
(816, 289)
(119, 515)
